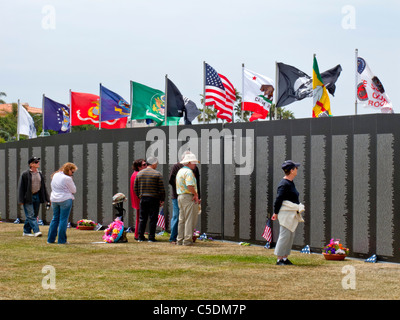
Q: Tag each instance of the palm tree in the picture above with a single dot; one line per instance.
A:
(2, 94)
(209, 114)
(238, 109)
(282, 114)
(286, 114)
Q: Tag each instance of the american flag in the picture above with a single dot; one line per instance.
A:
(267, 235)
(220, 93)
(161, 219)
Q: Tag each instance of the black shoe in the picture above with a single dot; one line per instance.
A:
(152, 240)
(280, 263)
(142, 239)
(287, 262)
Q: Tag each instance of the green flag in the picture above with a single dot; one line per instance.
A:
(147, 103)
(172, 121)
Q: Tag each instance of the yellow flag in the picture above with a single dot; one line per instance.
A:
(322, 105)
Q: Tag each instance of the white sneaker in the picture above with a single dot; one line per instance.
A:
(27, 234)
(38, 234)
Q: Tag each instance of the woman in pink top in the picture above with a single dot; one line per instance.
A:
(138, 165)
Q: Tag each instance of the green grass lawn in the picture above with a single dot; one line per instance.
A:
(88, 270)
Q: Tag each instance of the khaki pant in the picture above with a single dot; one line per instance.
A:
(188, 215)
(284, 244)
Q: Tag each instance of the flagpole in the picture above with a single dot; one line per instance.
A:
(43, 114)
(166, 101)
(100, 108)
(18, 121)
(130, 89)
(276, 88)
(314, 55)
(204, 92)
(241, 107)
(70, 111)
(356, 80)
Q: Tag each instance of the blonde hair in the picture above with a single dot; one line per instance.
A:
(65, 168)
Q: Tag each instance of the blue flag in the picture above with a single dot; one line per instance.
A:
(113, 106)
(56, 116)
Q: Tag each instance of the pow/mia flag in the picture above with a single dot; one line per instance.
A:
(295, 85)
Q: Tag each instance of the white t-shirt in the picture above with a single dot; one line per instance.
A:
(62, 187)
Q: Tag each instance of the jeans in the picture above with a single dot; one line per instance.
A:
(31, 212)
(149, 208)
(174, 220)
(61, 211)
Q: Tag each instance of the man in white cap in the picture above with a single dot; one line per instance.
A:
(172, 181)
(188, 200)
(31, 193)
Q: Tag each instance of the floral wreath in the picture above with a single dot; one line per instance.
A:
(114, 231)
(86, 223)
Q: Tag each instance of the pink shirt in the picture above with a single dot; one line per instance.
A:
(134, 198)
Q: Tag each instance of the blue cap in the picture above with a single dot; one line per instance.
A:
(289, 165)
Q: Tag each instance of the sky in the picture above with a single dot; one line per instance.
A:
(51, 46)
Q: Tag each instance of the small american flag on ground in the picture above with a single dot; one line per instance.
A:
(267, 235)
(220, 93)
(161, 219)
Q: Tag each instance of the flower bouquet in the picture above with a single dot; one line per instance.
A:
(196, 234)
(335, 250)
(205, 237)
(85, 224)
(114, 231)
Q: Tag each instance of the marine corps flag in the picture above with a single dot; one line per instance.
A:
(322, 107)
(85, 109)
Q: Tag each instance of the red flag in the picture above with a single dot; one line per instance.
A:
(114, 124)
(256, 116)
(85, 109)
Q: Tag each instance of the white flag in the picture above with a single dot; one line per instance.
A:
(257, 93)
(26, 125)
(370, 91)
